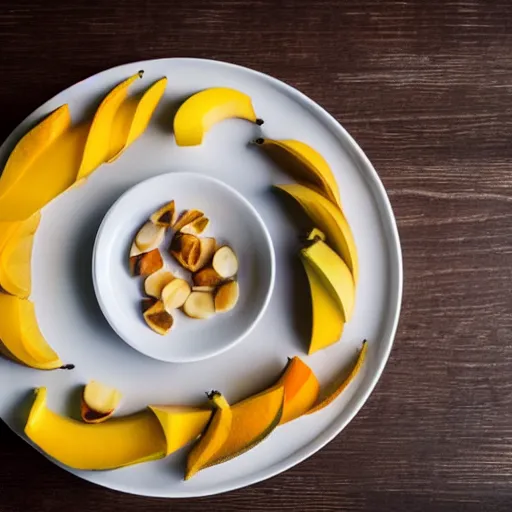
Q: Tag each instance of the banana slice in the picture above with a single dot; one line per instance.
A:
(146, 263)
(203, 288)
(156, 282)
(226, 297)
(149, 236)
(166, 216)
(207, 277)
(187, 217)
(196, 227)
(158, 319)
(98, 402)
(225, 262)
(175, 294)
(199, 305)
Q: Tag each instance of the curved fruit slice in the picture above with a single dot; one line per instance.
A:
(149, 236)
(207, 277)
(225, 262)
(15, 267)
(155, 283)
(32, 145)
(96, 149)
(338, 387)
(196, 227)
(158, 319)
(334, 274)
(99, 402)
(21, 337)
(146, 263)
(199, 305)
(165, 216)
(253, 420)
(213, 439)
(186, 218)
(226, 297)
(113, 444)
(304, 163)
(330, 220)
(181, 424)
(300, 389)
(175, 294)
(328, 320)
(206, 108)
(142, 115)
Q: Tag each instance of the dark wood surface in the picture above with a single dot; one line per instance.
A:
(426, 88)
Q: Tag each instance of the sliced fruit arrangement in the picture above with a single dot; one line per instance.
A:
(56, 153)
(206, 108)
(99, 402)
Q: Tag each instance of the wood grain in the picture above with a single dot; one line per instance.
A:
(426, 89)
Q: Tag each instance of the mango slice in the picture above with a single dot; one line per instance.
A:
(253, 420)
(116, 443)
(301, 389)
(213, 439)
(327, 319)
(338, 386)
(181, 424)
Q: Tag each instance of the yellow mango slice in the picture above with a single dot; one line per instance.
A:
(338, 386)
(32, 145)
(140, 115)
(327, 319)
(97, 147)
(301, 389)
(181, 425)
(21, 336)
(253, 420)
(116, 443)
(213, 439)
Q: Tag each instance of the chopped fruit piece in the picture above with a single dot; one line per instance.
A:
(199, 305)
(186, 250)
(175, 294)
(213, 439)
(149, 236)
(147, 263)
(195, 227)
(187, 217)
(158, 319)
(134, 250)
(146, 303)
(206, 251)
(166, 216)
(207, 277)
(98, 402)
(203, 288)
(225, 262)
(156, 282)
(226, 297)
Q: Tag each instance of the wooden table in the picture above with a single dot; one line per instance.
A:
(426, 88)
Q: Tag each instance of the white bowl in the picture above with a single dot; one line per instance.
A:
(233, 220)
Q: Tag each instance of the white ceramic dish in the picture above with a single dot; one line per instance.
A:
(233, 221)
(72, 322)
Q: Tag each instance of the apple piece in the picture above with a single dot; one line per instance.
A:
(158, 319)
(199, 305)
(166, 216)
(207, 248)
(134, 250)
(196, 227)
(155, 283)
(207, 277)
(186, 250)
(98, 402)
(146, 263)
(175, 294)
(225, 262)
(187, 217)
(149, 236)
(226, 297)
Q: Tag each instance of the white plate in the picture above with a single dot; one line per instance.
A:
(233, 221)
(71, 320)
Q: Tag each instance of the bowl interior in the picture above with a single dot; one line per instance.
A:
(233, 221)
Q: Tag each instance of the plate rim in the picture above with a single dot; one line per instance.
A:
(396, 285)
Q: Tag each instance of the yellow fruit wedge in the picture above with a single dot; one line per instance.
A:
(301, 389)
(181, 425)
(328, 320)
(142, 112)
(213, 439)
(32, 145)
(98, 402)
(21, 336)
(206, 108)
(254, 419)
(305, 164)
(327, 217)
(97, 147)
(116, 443)
(339, 385)
(334, 275)
(15, 266)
